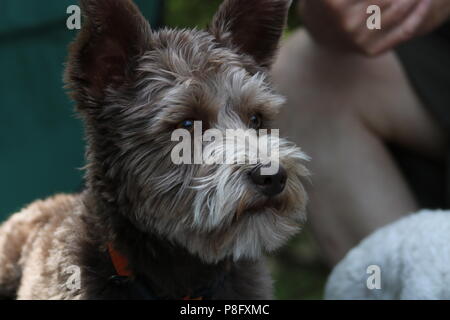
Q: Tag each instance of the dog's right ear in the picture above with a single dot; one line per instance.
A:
(254, 27)
(113, 34)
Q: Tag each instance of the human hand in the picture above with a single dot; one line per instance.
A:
(342, 23)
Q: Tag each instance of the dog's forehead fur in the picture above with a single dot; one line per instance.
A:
(188, 71)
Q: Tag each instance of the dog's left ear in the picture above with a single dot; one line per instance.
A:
(252, 26)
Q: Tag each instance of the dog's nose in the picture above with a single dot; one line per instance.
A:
(270, 185)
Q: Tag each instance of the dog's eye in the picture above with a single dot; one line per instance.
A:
(186, 124)
(255, 122)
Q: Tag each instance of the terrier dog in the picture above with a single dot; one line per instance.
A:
(146, 228)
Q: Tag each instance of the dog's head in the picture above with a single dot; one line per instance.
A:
(134, 87)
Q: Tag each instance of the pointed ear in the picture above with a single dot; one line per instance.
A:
(113, 34)
(253, 26)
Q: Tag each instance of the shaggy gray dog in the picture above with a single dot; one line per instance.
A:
(146, 228)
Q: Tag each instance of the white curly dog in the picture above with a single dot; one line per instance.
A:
(410, 257)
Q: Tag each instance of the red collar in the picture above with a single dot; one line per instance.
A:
(120, 263)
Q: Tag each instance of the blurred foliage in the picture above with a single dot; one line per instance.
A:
(189, 13)
(297, 269)
(294, 18)
(198, 13)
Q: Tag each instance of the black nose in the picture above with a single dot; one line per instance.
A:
(270, 185)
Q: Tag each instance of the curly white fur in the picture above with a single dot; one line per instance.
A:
(414, 259)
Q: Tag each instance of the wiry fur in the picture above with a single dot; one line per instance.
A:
(180, 227)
